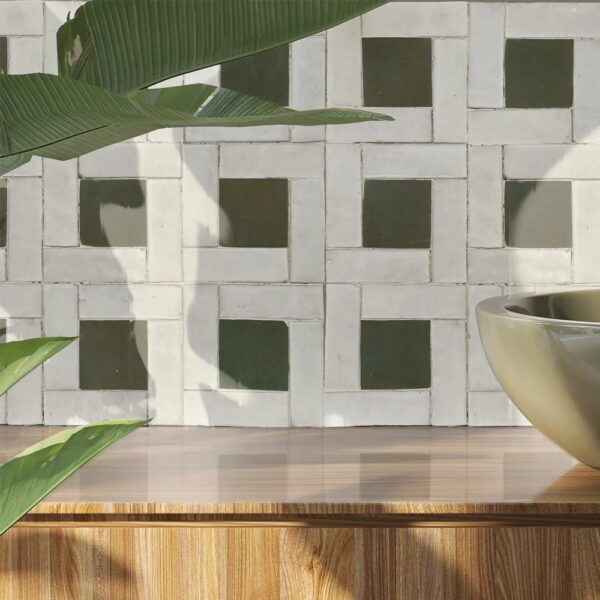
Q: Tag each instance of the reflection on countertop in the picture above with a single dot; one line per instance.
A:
(383, 464)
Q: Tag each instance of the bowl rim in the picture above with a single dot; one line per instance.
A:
(500, 306)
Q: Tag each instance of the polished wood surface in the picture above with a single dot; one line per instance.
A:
(370, 513)
(272, 473)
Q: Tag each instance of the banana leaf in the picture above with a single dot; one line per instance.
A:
(17, 359)
(35, 472)
(124, 45)
(58, 118)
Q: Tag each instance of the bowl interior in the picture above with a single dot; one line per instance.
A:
(577, 305)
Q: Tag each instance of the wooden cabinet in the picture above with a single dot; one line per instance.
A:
(484, 527)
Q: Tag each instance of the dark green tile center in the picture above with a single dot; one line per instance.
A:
(3, 56)
(265, 75)
(112, 212)
(397, 71)
(395, 355)
(254, 213)
(539, 73)
(253, 355)
(113, 355)
(538, 214)
(397, 214)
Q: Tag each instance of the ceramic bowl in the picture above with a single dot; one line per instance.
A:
(545, 352)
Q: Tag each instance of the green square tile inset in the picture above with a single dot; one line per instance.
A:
(112, 212)
(253, 355)
(539, 73)
(397, 71)
(2, 331)
(3, 56)
(395, 355)
(397, 214)
(537, 214)
(254, 213)
(265, 75)
(113, 355)
(3, 213)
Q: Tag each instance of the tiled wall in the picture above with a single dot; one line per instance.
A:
(325, 276)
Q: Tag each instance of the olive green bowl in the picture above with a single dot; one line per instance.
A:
(545, 352)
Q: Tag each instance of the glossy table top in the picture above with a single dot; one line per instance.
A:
(404, 468)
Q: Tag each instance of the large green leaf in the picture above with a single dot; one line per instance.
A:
(59, 118)
(35, 472)
(17, 359)
(9, 163)
(124, 45)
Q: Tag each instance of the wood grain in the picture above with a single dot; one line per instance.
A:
(325, 564)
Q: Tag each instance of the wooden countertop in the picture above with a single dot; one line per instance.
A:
(417, 474)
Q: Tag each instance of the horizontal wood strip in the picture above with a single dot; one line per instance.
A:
(404, 521)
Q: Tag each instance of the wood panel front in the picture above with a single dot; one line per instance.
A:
(526, 563)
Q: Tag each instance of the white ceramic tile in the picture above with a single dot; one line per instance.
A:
(24, 399)
(20, 300)
(372, 265)
(586, 225)
(200, 195)
(449, 90)
(352, 409)
(415, 160)
(24, 230)
(236, 408)
(163, 202)
(449, 373)
(81, 407)
(344, 191)
(553, 20)
(165, 368)
(520, 126)
(133, 160)
(307, 231)
(586, 92)
(271, 302)
(61, 372)
(342, 337)
(94, 265)
(305, 161)
(344, 64)
(417, 19)
(409, 125)
(21, 17)
(25, 55)
(556, 161)
(413, 301)
(136, 301)
(519, 265)
(486, 197)
(449, 231)
(201, 337)
(486, 54)
(61, 203)
(268, 265)
(306, 374)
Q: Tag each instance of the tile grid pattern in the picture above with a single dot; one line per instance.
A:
(184, 280)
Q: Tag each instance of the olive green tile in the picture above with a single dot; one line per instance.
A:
(397, 214)
(254, 213)
(113, 355)
(3, 56)
(397, 71)
(539, 73)
(2, 331)
(3, 213)
(395, 355)
(253, 355)
(265, 75)
(112, 212)
(537, 214)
